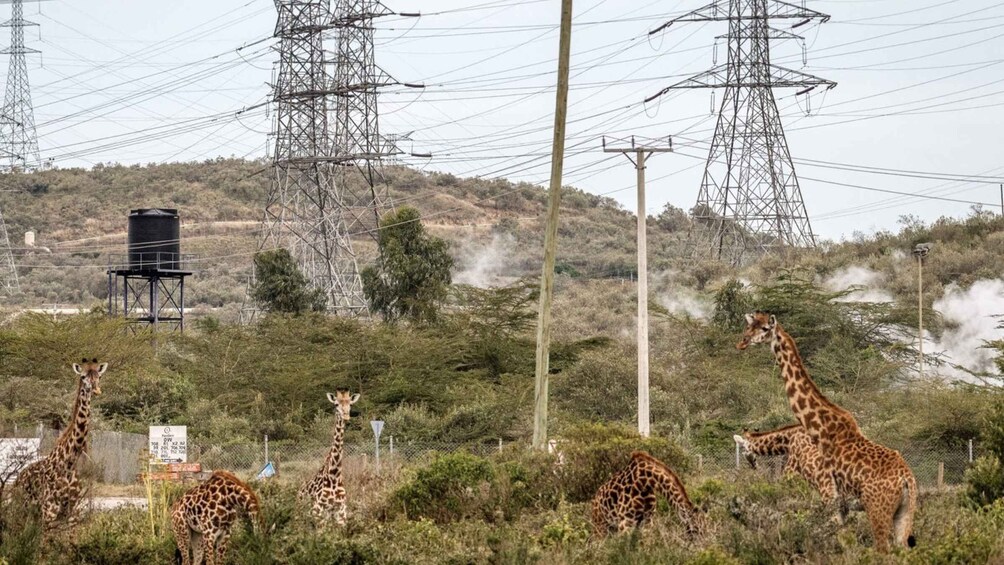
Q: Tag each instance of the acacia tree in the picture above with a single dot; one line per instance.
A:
(411, 277)
(280, 286)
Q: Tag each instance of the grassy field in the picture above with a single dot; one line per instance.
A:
(517, 508)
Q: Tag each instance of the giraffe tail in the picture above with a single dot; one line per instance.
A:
(177, 557)
(903, 519)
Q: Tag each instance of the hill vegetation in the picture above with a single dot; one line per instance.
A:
(465, 375)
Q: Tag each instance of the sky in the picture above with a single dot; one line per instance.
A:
(917, 108)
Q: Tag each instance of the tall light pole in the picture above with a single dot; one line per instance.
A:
(641, 154)
(920, 251)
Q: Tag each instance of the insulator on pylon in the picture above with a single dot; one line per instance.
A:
(712, 101)
(714, 53)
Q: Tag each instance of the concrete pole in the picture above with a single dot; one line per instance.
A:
(644, 421)
(551, 232)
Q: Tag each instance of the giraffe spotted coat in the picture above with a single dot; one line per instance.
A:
(627, 500)
(203, 517)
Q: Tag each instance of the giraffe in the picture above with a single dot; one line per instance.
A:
(874, 474)
(51, 483)
(804, 459)
(203, 517)
(326, 491)
(628, 499)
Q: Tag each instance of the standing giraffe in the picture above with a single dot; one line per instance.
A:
(876, 475)
(628, 499)
(52, 483)
(326, 491)
(203, 517)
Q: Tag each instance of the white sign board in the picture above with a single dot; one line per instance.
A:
(169, 444)
(16, 454)
(377, 426)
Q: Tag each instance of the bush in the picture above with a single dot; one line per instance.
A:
(985, 480)
(453, 487)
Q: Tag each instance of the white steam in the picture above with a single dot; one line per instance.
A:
(867, 283)
(969, 315)
(485, 265)
(678, 298)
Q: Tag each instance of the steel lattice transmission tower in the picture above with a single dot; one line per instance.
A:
(357, 80)
(18, 140)
(750, 201)
(305, 213)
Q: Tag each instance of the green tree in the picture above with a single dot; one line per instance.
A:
(281, 287)
(412, 275)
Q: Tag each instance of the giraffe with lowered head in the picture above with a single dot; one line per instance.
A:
(874, 474)
(326, 491)
(52, 483)
(204, 516)
(803, 457)
(627, 500)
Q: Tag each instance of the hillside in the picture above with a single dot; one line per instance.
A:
(79, 217)
(495, 230)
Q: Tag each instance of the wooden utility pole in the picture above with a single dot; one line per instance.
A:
(641, 155)
(551, 232)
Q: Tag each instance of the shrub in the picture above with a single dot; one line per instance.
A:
(985, 480)
(453, 487)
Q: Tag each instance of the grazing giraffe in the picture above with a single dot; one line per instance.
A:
(326, 491)
(52, 483)
(804, 458)
(876, 475)
(203, 517)
(628, 499)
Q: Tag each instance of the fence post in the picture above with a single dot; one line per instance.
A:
(970, 450)
(737, 457)
(266, 449)
(500, 445)
(392, 445)
(941, 474)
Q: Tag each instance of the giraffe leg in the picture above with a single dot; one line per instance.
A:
(880, 514)
(208, 547)
(341, 513)
(182, 539)
(222, 545)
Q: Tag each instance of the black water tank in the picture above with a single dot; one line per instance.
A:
(154, 239)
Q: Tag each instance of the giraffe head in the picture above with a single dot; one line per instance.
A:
(343, 401)
(90, 372)
(760, 327)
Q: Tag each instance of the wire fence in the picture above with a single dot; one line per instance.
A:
(121, 458)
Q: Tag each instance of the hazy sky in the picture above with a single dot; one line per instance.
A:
(920, 89)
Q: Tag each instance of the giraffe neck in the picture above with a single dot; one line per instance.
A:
(664, 481)
(806, 400)
(774, 442)
(333, 462)
(73, 441)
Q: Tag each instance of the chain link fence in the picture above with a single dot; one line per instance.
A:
(120, 458)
